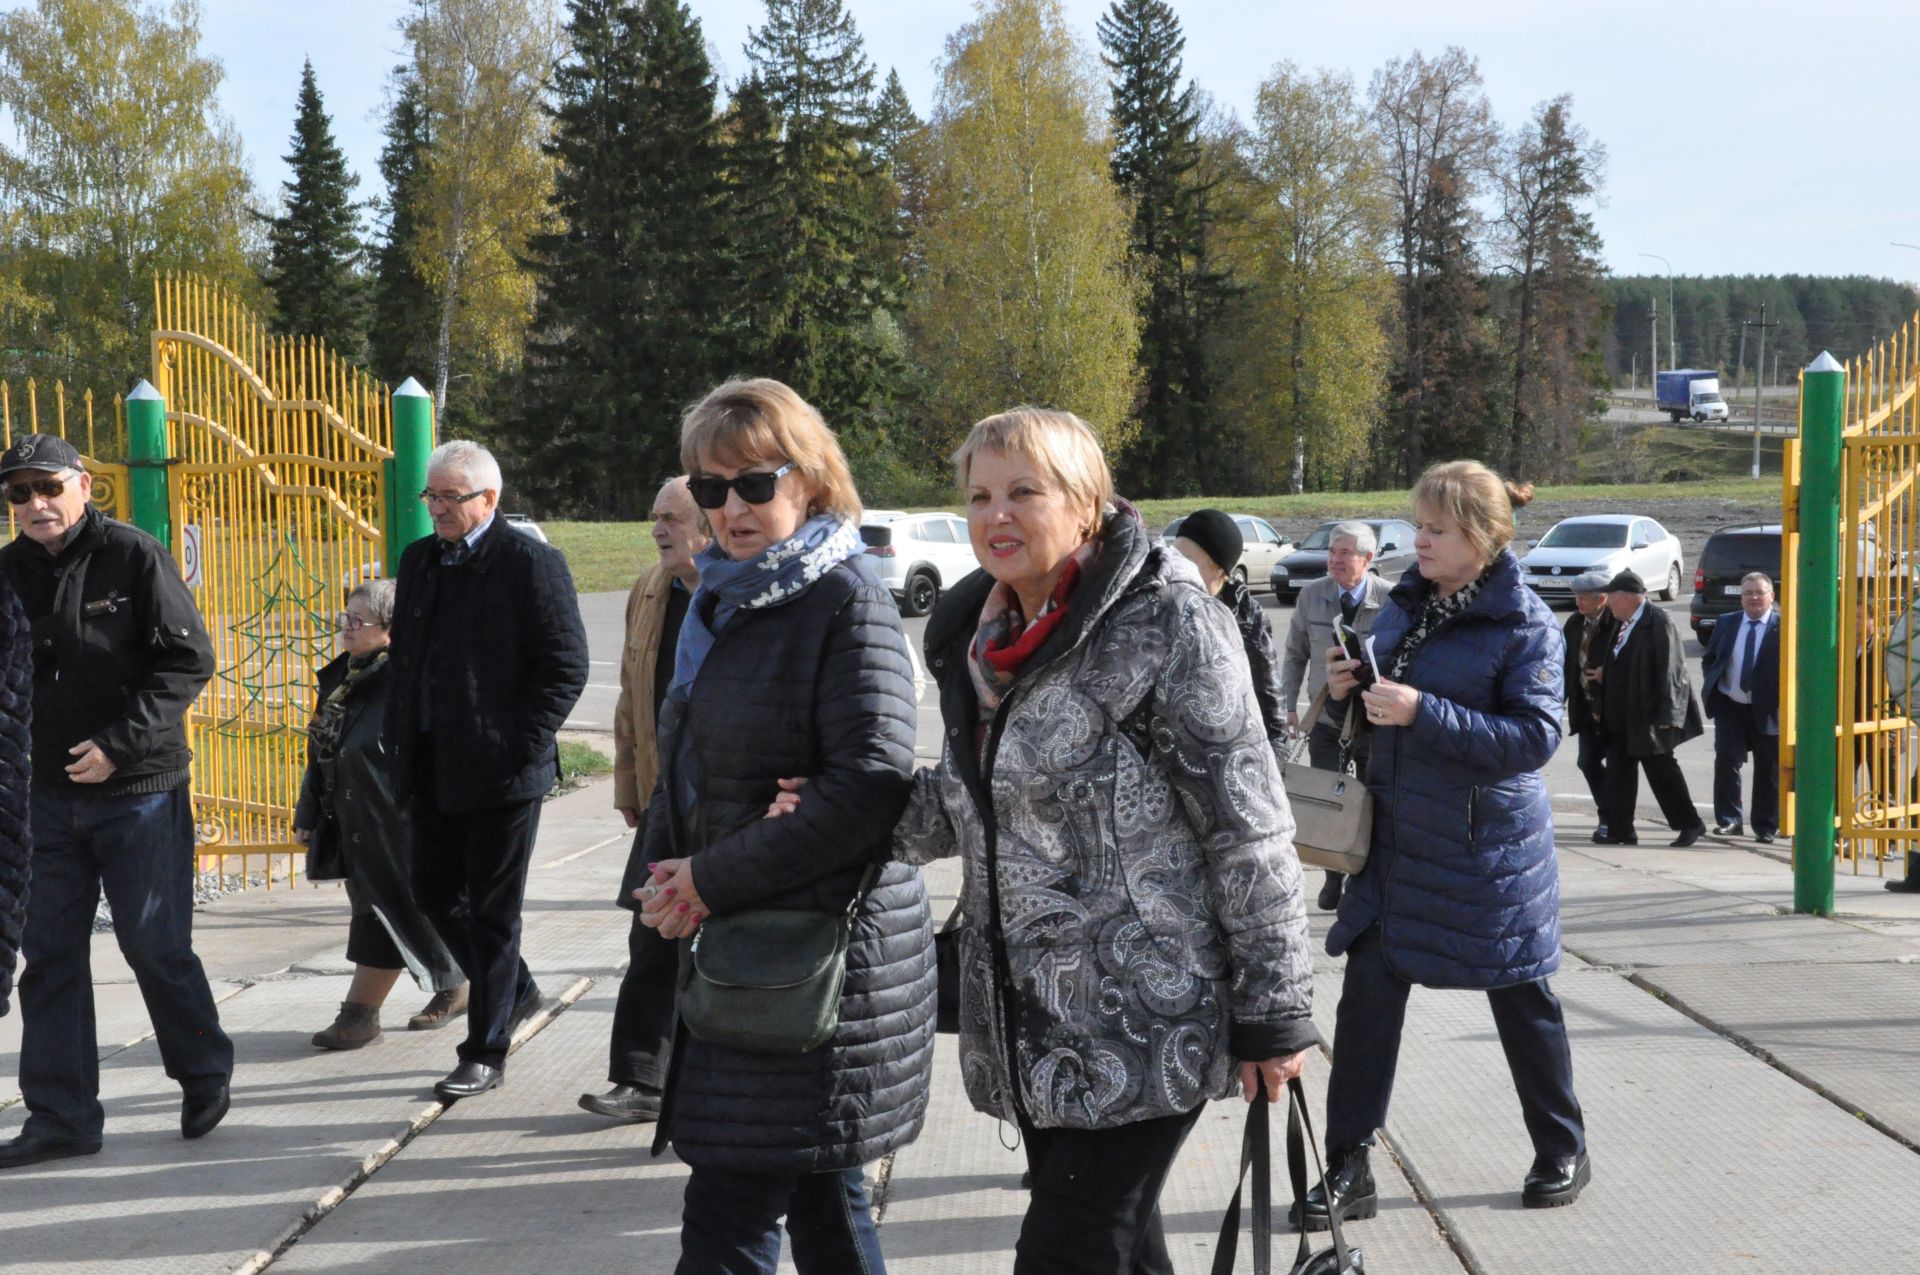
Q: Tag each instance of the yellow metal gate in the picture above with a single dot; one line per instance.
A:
(277, 507)
(1875, 794)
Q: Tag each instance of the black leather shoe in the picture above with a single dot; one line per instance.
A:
(1600, 832)
(1764, 838)
(1351, 1182)
(1602, 837)
(31, 1148)
(1555, 1180)
(1727, 828)
(526, 1007)
(1906, 885)
(1330, 891)
(469, 1080)
(200, 1114)
(623, 1102)
(1690, 836)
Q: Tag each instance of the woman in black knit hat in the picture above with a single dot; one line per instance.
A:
(1211, 540)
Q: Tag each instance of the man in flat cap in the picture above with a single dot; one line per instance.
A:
(1647, 709)
(119, 654)
(1589, 637)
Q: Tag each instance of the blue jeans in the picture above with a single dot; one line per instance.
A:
(731, 1224)
(140, 850)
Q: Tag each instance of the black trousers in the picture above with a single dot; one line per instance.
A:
(484, 854)
(1592, 761)
(645, 1014)
(1366, 1052)
(139, 849)
(1096, 1198)
(1735, 735)
(1663, 776)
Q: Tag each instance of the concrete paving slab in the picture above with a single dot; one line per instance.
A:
(1705, 1159)
(1852, 1030)
(517, 1180)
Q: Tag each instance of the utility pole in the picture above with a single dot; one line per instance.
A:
(1759, 380)
(1653, 350)
(1673, 339)
(1633, 375)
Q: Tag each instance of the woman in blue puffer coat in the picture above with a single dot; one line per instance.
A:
(1461, 888)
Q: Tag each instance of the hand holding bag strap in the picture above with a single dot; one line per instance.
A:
(1256, 1153)
(1297, 1144)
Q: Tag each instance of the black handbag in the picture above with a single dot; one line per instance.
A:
(325, 862)
(946, 956)
(768, 980)
(1255, 1153)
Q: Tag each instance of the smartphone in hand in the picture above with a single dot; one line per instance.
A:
(1351, 643)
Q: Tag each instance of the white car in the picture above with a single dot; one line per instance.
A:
(525, 524)
(1609, 544)
(918, 555)
(1264, 549)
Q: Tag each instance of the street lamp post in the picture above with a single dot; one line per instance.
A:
(1673, 343)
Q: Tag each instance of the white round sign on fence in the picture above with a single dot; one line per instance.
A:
(190, 551)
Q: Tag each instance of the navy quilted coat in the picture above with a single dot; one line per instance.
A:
(1462, 879)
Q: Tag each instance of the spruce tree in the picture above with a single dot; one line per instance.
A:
(1156, 152)
(1457, 397)
(314, 249)
(901, 149)
(626, 331)
(815, 256)
(400, 329)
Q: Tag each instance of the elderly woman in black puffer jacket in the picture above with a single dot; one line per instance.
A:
(16, 763)
(791, 662)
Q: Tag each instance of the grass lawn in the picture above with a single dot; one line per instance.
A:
(610, 555)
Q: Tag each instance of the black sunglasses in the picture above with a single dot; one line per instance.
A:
(755, 489)
(21, 493)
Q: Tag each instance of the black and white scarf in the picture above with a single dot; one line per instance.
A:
(1437, 611)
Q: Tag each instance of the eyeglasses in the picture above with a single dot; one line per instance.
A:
(348, 622)
(450, 497)
(755, 489)
(21, 493)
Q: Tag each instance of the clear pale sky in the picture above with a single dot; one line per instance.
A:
(1744, 136)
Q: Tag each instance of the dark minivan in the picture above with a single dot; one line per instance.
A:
(1729, 555)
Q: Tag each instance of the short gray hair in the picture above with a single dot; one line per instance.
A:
(378, 595)
(462, 456)
(1364, 541)
(1761, 576)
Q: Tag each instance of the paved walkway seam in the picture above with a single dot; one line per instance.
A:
(1767, 1056)
(334, 1196)
(1421, 1192)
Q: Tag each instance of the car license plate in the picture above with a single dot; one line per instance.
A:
(1731, 590)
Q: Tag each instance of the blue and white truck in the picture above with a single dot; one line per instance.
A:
(1690, 392)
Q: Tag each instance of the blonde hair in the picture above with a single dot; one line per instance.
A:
(1059, 442)
(743, 422)
(1474, 498)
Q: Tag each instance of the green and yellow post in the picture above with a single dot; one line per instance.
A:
(147, 462)
(1816, 618)
(407, 519)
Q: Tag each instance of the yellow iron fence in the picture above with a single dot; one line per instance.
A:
(99, 430)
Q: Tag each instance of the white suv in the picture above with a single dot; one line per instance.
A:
(917, 555)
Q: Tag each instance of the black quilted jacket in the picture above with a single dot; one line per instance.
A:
(16, 764)
(818, 687)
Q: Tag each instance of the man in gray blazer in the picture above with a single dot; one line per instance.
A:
(1348, 590)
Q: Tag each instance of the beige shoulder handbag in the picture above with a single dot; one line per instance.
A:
(1332, 812)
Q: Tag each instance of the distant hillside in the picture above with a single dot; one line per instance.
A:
(1846, 316)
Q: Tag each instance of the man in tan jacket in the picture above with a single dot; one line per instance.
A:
(643, 1016)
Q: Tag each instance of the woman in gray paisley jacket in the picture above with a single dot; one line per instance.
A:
(1136, 942)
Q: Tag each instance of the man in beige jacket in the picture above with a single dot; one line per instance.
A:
(643, 1016)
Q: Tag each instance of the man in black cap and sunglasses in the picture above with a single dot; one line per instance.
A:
(119, 654)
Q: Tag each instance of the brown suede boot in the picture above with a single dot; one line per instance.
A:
(441, 1010)
(357, 1027)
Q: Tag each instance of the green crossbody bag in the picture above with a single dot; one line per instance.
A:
(768, 980)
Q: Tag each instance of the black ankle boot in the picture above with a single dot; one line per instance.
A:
(1351, 1182)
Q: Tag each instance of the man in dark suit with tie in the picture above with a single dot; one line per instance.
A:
(1741, 672)
(1647, 709)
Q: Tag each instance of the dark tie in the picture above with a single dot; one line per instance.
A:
(453, 553)
(1348, 608)
(1750, 649)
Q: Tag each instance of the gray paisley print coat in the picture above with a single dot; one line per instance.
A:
(1133, 902)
